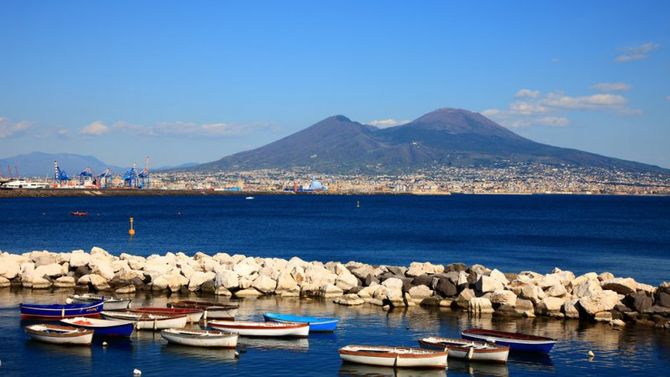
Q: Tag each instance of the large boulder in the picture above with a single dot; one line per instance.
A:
(587, 288)
(503, 297)
(623, 286)
(65, 282)
(247, 267)
(445, 287)
(249, 292)
(556, 290)
(285, 282)
(50, 270)
(420, 292)
(638, 301)
(570, 308)
(524, 308)
(43, 258)
(603, 301)
(4, 282)
(487, 284)
(346, 281)
(533, 293)
(349, 300)
(172, 281)
(551, 306)
(198, 278)
(102, 267)
(330, 290)
(463, 298)
(264, 284)
(9, 267)
(98, 282)
(79, 258)
(227, 279)
(480, 305)
(498, 275)
(319, 276)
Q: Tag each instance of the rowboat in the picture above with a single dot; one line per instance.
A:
(200, 338)
(467, 349)
(146, 321)
(211, 310)
(111, 303)
(315, 323)
(79, 213)
(58, 311)
(60, 334)
(193, 315)
(397, 357)
(515, 341)
(102, 327)
(248, 328)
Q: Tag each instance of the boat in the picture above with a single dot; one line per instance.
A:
(249, 198)
(467, 349)
(211, 310)
(515, 341)
(194, 315)
(146, 321)
(200, 338)
(315, 323)
(110, 303)
(58, 311)
(249, 328)
(60, 334)
(79, 213)
(397, 357)
(102, 327)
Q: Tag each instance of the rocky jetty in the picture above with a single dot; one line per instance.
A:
(475, 289)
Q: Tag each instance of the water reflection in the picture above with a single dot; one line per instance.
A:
(478, 369)
(82, 353)
(207, 354)
(351, 369)
(300, 344)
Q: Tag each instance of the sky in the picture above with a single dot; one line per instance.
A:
(193, 81)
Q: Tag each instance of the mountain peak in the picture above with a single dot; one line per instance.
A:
(460, 121)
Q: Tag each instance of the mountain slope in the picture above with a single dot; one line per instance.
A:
(38, 164)
(451, 137)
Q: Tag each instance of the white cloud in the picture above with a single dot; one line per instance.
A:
(9, 129)
(592, 102)
(385, 123)
(491, 112)
(611, 87)
(527, 93)
(640, 52)
(527, 108)
(217, 129)
(96, 128)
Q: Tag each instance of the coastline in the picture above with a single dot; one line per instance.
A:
(476, 290)
(69, 193)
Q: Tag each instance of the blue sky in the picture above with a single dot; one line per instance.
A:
(194, 81)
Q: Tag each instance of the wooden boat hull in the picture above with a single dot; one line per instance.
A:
(194, 315)
(263, 329)
(197, 339)
(60, 334)
(55, 312)
(143, 321)
(102, 327)
(515, 342)
(456, 349)
(109, 303)
(315, 324)
(390, 357)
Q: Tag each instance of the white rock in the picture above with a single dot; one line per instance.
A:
(587, 288)
(503, 297)
(172, 281)
(198, 278)
(603, 301)
(249, 292)
(227, 279)
(464, 297)
(247, 267)
(556, 290)
(10, 267)
(79, 258)
(4, 282)
(65, 282)
(420, 292)
(488, 284)
(285, 282)
(102, 267)
(50, 270)
(418, 269)
(499, 276)
(264, 284)
(550, 305)
(623, 286)
(222, 291)
(570, 309)
(98, 251)
(346, 281)
(393, 283)
(367, 292)
(480, 305)
(330, 290)
(128, 289)
(533, 293)
(349, 300)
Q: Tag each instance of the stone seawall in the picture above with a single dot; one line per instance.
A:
(475, 289)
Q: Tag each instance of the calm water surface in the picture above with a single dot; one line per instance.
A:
(632, 351)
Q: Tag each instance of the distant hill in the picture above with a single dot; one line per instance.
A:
(177, 167)
(445, 137)
(38, 164)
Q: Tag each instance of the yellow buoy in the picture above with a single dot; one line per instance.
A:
(131, 231)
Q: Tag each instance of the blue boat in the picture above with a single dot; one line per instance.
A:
(515, 341)
(102, 327)
(315, 323)
(58, 311)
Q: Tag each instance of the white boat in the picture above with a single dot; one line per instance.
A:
(200, 338)
(211, 310)
(396, 357)
(110, 303)
(60, 334)
(144, 321)
(249, 328)
(467, 349)
(194, 315)
(102, 327)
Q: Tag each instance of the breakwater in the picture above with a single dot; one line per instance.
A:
(475, 289)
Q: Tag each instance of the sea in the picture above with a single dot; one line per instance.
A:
(625, 235)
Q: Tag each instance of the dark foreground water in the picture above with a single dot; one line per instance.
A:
(631, 351)
(628, 236)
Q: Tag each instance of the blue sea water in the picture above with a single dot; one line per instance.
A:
(628, 236)
(623, 235)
